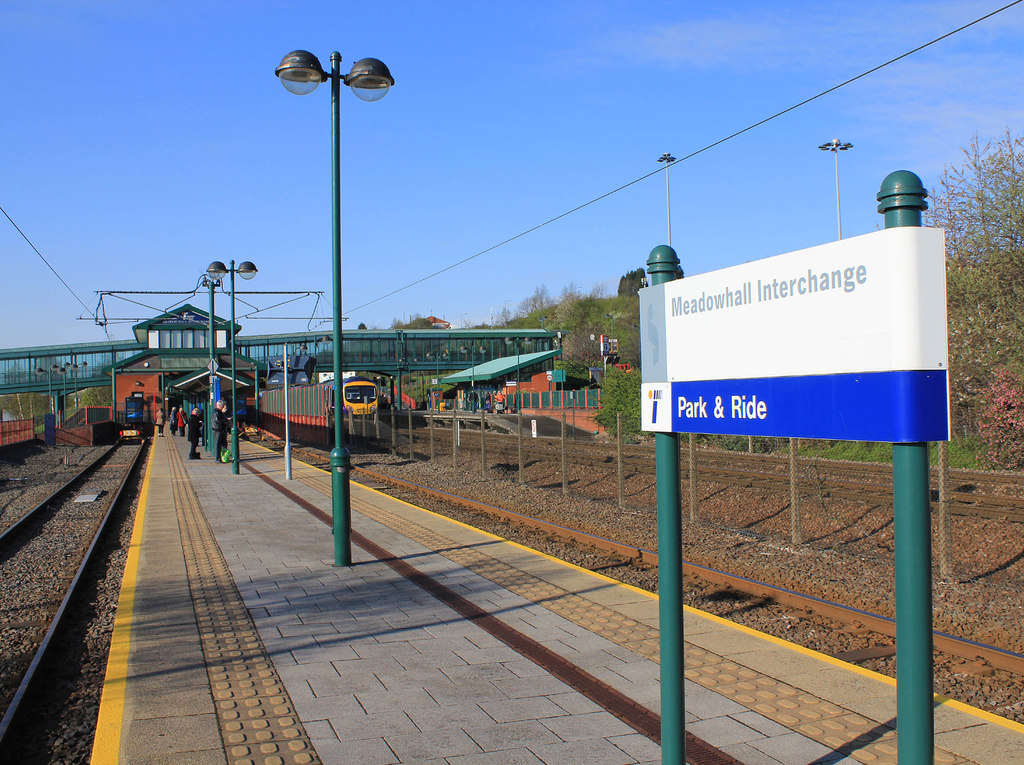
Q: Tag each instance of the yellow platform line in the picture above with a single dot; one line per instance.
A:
(106, 747)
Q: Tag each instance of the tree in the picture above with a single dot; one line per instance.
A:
(631, 282)
(416, 321)
(980, 204)
(539, 301)
(24, 406)
(95, 396)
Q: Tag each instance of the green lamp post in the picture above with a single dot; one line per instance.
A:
(207, 281)
(49, 386)
(300, 73)
(217, 270)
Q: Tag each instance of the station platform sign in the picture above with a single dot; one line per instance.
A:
(844, 341)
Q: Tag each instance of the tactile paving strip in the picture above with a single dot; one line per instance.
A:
(857, 737)
(258, 723)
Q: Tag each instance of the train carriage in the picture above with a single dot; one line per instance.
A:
(360, 395)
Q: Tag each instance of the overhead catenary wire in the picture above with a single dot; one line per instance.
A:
(691, 155)
(49, 265)
(120, 295)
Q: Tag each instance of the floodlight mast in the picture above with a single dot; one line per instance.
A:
(835, 146)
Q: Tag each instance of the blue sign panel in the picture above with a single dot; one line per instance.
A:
(897, 407)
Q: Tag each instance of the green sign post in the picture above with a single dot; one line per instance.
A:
(663, 266)
(901, 200)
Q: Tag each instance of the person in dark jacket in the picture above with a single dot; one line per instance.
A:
(195, 429)
(222, 425)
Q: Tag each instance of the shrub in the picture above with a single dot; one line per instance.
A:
(1001, 420)
(620, 393)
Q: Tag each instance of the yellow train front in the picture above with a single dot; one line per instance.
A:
(360, 395)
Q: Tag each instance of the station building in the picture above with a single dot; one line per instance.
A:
(170, 360)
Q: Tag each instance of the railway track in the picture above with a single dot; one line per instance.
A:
(986, 655)
(983, 657)
(43, 559)
(975, 493)
(761, 580)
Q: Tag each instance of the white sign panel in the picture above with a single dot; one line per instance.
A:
(816, 343)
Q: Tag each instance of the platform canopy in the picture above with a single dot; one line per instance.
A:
(500, 368)
(199, 381)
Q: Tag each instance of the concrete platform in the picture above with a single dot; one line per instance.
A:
(238, 640)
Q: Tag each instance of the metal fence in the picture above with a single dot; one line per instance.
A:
(588, 398)
(16, 431)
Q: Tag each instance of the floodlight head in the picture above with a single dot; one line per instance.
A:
(300, 72)
(217, 270)
(247, 269)
(370, 79)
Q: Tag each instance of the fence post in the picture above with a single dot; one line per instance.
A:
(412, 452)
(945, 518)
(455, 437)
(796, 534)
(692, 477)
(565, 462)
(618, 460)
(519, 427)
(483, 446)
(394, 433)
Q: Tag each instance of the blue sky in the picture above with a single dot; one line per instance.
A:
(140, 141)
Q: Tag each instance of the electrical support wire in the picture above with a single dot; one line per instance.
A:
(299, 296)
(101, 306)
(54, 270)
(36, 250)
(313, 313)
(691, 155)
(120, 294)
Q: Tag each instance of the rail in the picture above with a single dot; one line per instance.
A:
(993, 655)
(995, 495)
(31, 673)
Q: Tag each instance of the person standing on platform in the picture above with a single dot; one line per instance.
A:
(221, 425)
(195, 429)
(158, 420)
(181, 421)
(172, 419)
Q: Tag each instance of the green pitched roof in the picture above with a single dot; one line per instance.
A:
(182, 316)
(496, 368)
